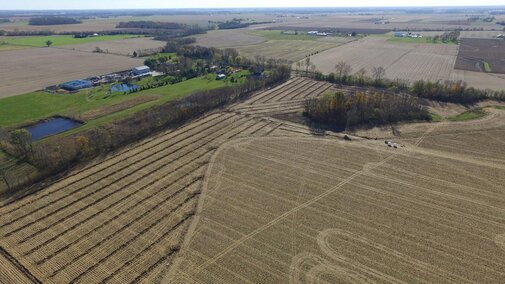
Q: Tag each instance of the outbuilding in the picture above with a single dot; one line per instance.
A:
(141, 70)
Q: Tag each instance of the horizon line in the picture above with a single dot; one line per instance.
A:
(279, 7)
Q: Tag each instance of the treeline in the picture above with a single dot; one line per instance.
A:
(3, 20)
(149, 25)
(445, 91)
(236, 24)
(58, 154)
(339, 111)
(52, 20)
(161, 30)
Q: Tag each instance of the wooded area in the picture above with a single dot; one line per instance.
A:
(338, 111)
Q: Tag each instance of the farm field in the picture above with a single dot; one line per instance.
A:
(309, 210)
(481, 55)
(292, 50)
(59, 40)
(121, 47)
(28, 70)
(239, 196)
(405, 61)
(228, 38)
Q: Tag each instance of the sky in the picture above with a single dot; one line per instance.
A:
(136, 4)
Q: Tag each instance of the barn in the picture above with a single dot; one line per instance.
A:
(141, 70)
(76, 85)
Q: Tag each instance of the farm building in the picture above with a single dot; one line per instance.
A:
(220, 76)
(141, 70)
(77, 85)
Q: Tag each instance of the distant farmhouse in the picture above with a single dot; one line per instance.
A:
(317, 33)
(409, 34)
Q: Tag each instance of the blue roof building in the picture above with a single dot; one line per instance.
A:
(77, 85)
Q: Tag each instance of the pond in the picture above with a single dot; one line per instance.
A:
(51, 126)
(123, 88)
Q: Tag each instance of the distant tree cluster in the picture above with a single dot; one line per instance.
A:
(501, 23)
(149, 25)
(339, 111)
(161, 30)
(452, 36)
(4, 20)
(446, 91)
(52, 20)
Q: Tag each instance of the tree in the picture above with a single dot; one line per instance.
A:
(361, 75)
(378, 74)
(307, 65)
(21, 139)
(135, 54)
(343, 70)
(49, 43)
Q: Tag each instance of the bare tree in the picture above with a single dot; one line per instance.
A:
(378, 74)
(298, 65)
(343, 69)
(307, 65)
(21, 139)
(361, 75)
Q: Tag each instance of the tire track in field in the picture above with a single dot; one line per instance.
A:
(298, 208)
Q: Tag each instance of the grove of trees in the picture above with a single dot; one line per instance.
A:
(338, 111)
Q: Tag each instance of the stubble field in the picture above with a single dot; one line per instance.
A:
(405, 61)
(307, 210)
(240, 197)
(28, 70)
(121, 47)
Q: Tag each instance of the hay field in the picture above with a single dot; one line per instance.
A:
(405, 61)
(122, 47)
(28, 70)
(315, 210)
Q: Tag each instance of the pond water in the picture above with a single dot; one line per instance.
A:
(52, 126)
(123, 88)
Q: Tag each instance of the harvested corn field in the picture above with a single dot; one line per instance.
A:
(237, 196)
(295, 210)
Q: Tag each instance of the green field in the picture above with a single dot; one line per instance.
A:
(469, 115)
(58, 40)
(22, 109)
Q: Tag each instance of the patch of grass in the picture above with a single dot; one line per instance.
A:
(279, 35)
(169, 55)
(34, 106)
(469, 115)
(435, 117)
(59, 40)
(487, 67)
